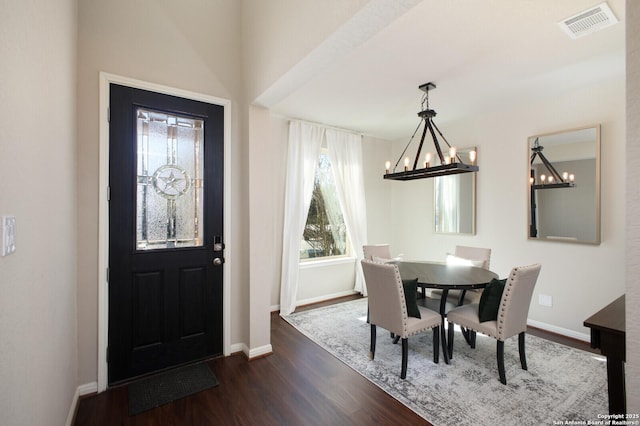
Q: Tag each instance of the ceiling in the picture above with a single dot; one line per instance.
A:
(481, 54)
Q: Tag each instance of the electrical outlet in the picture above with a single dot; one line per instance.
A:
(8, 235)
(545, 300)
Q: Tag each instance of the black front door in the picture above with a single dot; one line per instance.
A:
(165, 231)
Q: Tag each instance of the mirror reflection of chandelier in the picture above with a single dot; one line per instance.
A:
(553, 179)
(449, 164)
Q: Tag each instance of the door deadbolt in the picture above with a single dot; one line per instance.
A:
(218, 245)
(218, 261)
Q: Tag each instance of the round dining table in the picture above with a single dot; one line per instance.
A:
(445, 277)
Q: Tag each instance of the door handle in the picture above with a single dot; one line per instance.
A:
(218, 261)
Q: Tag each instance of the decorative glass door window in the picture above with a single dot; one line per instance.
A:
(169, 180)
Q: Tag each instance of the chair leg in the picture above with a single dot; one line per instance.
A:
(450, 329)
(466, 334)
(372, 350)
(436, 344)
(500, 356)
(396, 339)
(405, 356)
(469, 336)
(523, 357)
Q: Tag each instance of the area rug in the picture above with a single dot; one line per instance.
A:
(169, 386)
(561, 383)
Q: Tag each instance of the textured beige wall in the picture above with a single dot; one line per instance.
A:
(38, 347)
(190, 45)
(633, 206)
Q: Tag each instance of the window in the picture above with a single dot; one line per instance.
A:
(325, 233)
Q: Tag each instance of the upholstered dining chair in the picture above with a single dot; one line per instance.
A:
(474, 254)
(382, 251)
(506, 319)
(464, 255)
(376, 251)
(389, 309)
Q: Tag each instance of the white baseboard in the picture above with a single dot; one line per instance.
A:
(251, 353)
(85, 389)
(322, 298)
(259, 352)
(559, 330)
(88, 388)
(239, 347)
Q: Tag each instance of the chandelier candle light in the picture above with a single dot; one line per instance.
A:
(449, 165)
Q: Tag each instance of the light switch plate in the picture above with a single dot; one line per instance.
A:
(545, 300)
(8, 235)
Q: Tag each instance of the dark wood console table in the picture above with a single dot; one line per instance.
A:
(608, 334)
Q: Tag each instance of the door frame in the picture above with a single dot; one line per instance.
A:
(103, 211)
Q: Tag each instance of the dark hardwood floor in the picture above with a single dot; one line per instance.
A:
(299, 384)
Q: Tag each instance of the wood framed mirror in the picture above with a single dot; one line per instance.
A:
(564, 186)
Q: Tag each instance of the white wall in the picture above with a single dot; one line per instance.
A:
(278, 34)
(380, 211)
(580, 278)
(319, 281)
(190, 45)
(38, 346)
(263, 268)
(633, 207)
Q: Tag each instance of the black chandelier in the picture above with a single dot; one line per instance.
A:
(449, 165)
(553, 179)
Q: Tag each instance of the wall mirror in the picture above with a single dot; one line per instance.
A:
(455, 200)
(564, 186)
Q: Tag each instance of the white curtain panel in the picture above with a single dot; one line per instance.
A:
(345, 152)
(305, 141)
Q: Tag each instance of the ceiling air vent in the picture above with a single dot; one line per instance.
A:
(589, 21)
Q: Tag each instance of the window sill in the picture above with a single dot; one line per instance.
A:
(309, 264)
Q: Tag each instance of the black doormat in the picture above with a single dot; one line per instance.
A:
(163, 388)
